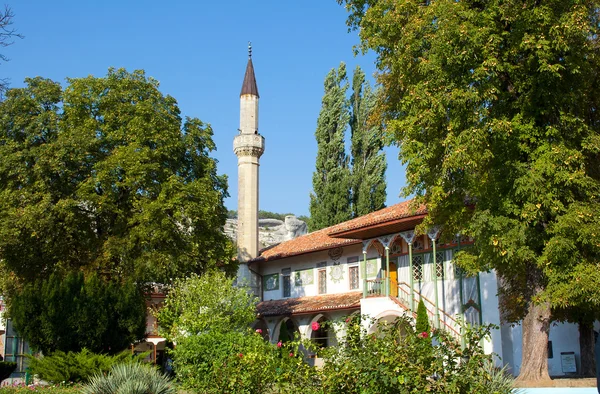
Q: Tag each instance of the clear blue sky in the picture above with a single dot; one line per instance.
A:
(198, 52)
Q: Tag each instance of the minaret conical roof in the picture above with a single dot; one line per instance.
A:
(249, 85)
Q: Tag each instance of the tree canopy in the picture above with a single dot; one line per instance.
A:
(105, 176)
(494, 105)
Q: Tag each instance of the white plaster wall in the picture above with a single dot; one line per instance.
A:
(378, 307)
(491, 313)
(310, 261)
(564, 337)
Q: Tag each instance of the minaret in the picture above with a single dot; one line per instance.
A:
(248, 147)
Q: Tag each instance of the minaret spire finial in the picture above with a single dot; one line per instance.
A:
(249, 50)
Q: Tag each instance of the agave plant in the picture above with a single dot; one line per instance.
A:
(500, 381)
(135, 378)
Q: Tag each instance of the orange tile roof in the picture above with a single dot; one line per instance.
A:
(309, 304)
(398, 211)
(315, 241)
(321, 239)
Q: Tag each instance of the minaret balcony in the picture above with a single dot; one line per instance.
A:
(249, 145)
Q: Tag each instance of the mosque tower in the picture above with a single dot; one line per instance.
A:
(248, 146)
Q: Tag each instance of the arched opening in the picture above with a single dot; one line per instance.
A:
(322, 333)
(287, 330)
(386, 321)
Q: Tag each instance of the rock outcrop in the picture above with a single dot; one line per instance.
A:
(271, 231)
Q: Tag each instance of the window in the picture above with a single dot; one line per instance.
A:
(418, 268)
(354, 277)
(439, 264)
(287, 286)
(322, 281)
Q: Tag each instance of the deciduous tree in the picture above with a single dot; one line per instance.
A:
(494, 105)
(106, 176)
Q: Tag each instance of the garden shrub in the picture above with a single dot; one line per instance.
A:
(130, 378)
(209, 318)
(241, 363)
(77, 367)
(6, 368)
(73, 312)
(397, 360)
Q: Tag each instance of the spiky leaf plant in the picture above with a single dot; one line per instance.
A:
(135, 378)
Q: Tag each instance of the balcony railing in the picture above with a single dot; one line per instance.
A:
(375, 287)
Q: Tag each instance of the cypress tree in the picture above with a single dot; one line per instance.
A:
(330, 199)
(422, 324)
(368, 160)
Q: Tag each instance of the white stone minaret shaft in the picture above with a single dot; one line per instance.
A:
(248, 147)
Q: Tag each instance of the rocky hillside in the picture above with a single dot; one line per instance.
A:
(271, 231)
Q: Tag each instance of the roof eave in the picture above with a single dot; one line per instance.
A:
(357, 233)
(261, 259)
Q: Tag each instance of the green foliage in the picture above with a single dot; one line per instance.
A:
(6, 368)
(105, 176)
(77, 367)
(330, 199)
(397, 360)
(240, 362)
(304, 218)
(71, 313)
(199, 304)
(208, 317)
(422, 324)
(132, 378)
(368, 159)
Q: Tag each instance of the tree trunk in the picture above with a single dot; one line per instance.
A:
(536, 327)
(586, 348)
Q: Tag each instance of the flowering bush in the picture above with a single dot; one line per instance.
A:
(218, 353)
(397, 359)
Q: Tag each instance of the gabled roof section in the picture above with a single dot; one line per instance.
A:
(309, 304)
(398, 217)
(249, 86)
